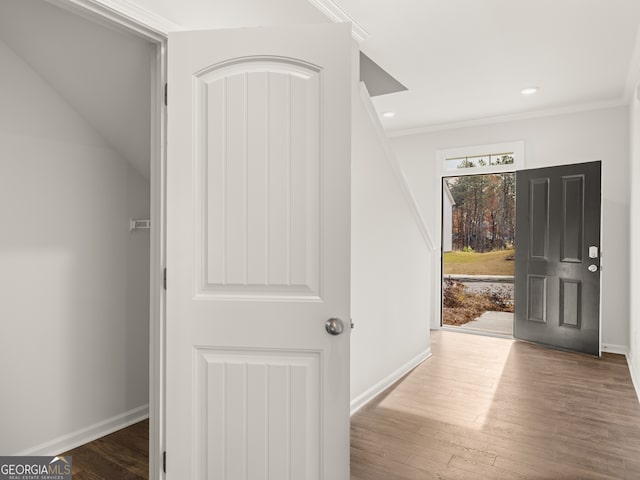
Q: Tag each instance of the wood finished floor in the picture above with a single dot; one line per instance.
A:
(123, 455)
(490, 408)
(481, 408)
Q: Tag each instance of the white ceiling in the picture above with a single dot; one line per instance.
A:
(463, 59)
(460, 59)
(469, 59)
(102, 73)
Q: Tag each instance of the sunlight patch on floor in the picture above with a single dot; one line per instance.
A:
(455, 405)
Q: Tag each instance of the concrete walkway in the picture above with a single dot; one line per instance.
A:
(492, 322)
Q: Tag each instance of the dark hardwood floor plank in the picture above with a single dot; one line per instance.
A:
(122, 455)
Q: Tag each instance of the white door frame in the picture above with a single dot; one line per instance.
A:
(124, 16)
(441, 172)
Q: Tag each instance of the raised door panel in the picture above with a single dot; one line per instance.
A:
(537, 299)
(570, 302)
(539, 218)
(572, 237)
(258, 414)
(257, 138)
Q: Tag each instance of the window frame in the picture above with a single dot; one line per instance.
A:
(477, 151)
(518, 149)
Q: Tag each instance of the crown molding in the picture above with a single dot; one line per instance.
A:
(622, 102)
(337, 14)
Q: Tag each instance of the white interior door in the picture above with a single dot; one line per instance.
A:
(258, 205)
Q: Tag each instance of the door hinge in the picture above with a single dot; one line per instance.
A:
(166, 94)
(164, 462)
(164, 279)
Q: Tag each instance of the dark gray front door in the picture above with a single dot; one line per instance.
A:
(557, 279)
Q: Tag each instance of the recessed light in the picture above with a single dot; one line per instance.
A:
(529, 90)
(389, 114)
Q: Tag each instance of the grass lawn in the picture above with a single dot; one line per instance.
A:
(491, 263)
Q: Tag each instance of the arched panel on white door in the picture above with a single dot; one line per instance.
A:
(258, 129)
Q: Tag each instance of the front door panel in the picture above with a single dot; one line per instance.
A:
(558, 219)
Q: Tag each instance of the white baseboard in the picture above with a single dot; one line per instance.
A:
(365, 397)
(87, 434)
(635, 379)
(619, 349)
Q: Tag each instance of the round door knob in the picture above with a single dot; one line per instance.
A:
(593, 268)
(334, 326)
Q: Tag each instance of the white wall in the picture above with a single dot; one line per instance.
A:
(634, 260)
(74, 281)
(390, 268)
(106, 60)
(562, 139)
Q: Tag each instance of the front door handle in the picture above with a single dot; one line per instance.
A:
(593, 268)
